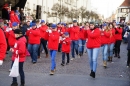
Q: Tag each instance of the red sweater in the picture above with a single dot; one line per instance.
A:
(112, 36)
(14, 17)
(66, 45)
(82, 34)
(105, 36)
(43, 32)
(53, 40)
(11, 38)
(20, 48)
(34, 36)
(118, 36)
(94, 38)
(74, 32)
(3, 45)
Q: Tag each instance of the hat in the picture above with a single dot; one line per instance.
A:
(53, 26)
(117, 23)
(66, 33)
(14, 24)
(42, 21)
(33, 24)
(59, 23)
(104, 24)
(17, 31)
(64, 24)
(74, 21)
(92, 23)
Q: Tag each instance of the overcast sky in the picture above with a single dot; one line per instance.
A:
(105, 7)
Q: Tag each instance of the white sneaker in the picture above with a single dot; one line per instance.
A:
(9, 70)
(127, 66)
(42, 51)
(78, 56)
(72, 59)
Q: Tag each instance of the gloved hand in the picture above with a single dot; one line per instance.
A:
(58, 30)
(50, 31)
(1, 62)
(64, 42)
(64, 38)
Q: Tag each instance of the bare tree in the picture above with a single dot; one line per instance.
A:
(59, 10)
(82, 11)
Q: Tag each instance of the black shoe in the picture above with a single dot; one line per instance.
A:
(92, 74)
(67, 63)
(22, 85)
(115, 55)
(62, 64)
(34, 62)
(14, 84)
(119, 57)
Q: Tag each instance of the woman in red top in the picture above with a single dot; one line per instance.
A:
(93, 47)
(118, 39)
(66, 45)
(82, 40)
(44, 36)
(111, 42)
(34, 42)
(19, 49)
(105, 36)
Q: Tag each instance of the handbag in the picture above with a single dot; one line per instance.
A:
(15, 68)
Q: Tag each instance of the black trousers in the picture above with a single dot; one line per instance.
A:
(21, 72)
(128, 59)
(117, 47)
(44, 43)
(63, 57)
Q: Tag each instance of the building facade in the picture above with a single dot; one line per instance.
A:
(123, 13)
(46, 8)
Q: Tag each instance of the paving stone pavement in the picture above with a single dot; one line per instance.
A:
(75, 73)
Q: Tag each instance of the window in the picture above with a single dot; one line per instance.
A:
(124, 10)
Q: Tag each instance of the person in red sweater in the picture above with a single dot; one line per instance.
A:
(10, 34)
(93, 47)
(14, 17)
(53, 46)
(118, 39)
(105, 36)
(33, 42)
(111, 42)
(19, 49)
(66, 45)
(74, 35)
(3, 44)
(82, 40)
(44, 37)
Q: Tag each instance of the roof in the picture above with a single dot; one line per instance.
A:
(126, 3)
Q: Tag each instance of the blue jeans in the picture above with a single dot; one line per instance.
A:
(53, 60)
(74, 46)
(81, 46)
(21, 72)
(105, 52)
(93, 55)
(33, 50)
(110, 51)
